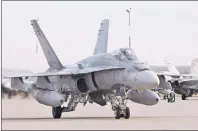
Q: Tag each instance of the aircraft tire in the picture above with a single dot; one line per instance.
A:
(117, 113)
(164, 97)
(173, 98)
(127, 114)
(183, 97)
(57, 112)
(121, 115)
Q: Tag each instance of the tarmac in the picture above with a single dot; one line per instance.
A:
(28, 114)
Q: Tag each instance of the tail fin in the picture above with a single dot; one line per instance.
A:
(50, 55)
(102, 40)
(194, 66)
(171, 68)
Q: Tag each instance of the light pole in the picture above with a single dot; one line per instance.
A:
(129, 12)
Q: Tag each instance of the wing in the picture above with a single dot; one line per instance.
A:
(169, 74)
(176, 75)
(6, 72)
(68, 71)
(189, 82)
(157, 89)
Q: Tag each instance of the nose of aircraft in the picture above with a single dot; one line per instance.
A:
(147, 79)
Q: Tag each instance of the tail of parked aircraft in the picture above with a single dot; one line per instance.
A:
(49, 53)
(171, 68)
(102, 40)
(194, 66)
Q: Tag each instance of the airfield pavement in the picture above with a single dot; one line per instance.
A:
(30, 115)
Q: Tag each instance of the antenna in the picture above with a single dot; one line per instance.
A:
(129, 12)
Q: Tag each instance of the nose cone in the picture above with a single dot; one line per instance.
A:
(147, 79)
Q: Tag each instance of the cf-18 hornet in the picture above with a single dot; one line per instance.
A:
(102, 77)
(185, 84)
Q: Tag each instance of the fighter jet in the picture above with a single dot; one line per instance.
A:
(103, 77)
(185, 84)
(165, 87)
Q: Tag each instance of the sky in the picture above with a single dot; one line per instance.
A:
(160, 30)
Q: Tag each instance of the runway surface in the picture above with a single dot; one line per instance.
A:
(30, 115)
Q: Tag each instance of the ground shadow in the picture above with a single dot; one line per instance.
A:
(91, 118)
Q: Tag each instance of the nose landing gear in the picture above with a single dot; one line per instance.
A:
(120, 109)
(171, 97)
(122, 113)
(118, 101)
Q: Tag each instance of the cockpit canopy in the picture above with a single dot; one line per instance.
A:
(124, 54)
(128, 54)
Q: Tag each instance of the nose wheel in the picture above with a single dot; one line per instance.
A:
(117, 113)
(127, 113)
(122, 113)
(165, 97)
(171, 97)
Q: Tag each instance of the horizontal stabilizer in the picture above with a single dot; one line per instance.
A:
(17, 83)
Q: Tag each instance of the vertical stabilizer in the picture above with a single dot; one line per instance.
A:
(171, 68)
(102, 40)
(49, 53)
(194, 66)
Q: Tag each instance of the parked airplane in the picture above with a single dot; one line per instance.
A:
(185, 84)
(165, 87)
(101, 78)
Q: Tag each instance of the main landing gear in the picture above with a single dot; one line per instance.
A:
(165, 96)
(57, 111)
(183, 97)
(170, 97)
